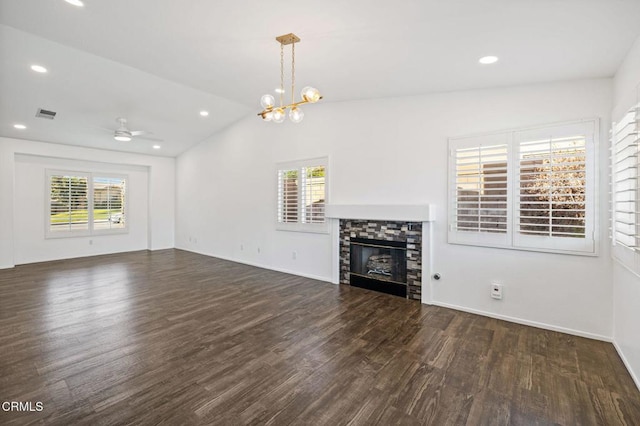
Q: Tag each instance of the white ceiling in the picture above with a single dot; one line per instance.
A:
(159, 62)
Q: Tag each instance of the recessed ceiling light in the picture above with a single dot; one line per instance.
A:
(204, 113)
(38, 68)
(279, 90)
(75, 2)
(20, 126)
(157, 147)
(486, 60)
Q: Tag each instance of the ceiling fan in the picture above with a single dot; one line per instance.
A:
(123, 134)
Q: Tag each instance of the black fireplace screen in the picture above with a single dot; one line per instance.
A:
(379, 259)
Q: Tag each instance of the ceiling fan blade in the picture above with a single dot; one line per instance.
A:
(140, 132)
(149, 138)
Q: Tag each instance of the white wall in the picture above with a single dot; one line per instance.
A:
(626, 81)
(626, 285)
(22, 192)
(394, 151)
(30, 208)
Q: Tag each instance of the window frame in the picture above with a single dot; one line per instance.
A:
(513, 238)
(299, 225)
(90, 231)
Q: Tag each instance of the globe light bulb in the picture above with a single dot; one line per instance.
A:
(310, 94)
(278, 115)
(296, 114)
(267, 116)
(267, 101)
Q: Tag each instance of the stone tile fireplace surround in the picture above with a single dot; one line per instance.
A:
(410, 224)
(404, 232)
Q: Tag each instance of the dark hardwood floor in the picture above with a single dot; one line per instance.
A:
(172, 337)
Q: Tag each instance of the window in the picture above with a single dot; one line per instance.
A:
(527, 189)
(481, 183)
(69, 203)
(302, 189)
(108, 202)
(625, 136)
(85, 204)
(288, 194)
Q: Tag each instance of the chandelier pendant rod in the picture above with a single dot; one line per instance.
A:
(281, 73)
(293, 71)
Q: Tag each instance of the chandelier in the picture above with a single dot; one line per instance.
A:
(276, 114)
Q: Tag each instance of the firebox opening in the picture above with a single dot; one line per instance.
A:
(379, 265)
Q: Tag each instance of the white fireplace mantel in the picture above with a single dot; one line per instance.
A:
(404, 213)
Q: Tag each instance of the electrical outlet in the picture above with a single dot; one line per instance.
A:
(241, 247)
(258, 249)
(496, 291)
(294, 255)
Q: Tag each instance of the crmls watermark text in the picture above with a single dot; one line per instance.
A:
(22, 406)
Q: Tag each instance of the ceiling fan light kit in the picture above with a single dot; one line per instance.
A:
(277, 114)
(123, 134)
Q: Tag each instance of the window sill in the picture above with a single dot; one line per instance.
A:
(85, 234)
(533, 249)
(322, 228)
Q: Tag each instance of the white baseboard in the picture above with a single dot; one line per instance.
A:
(258, 265)
(635, 378)
(526, 322)
(79, 256)
(161, 248)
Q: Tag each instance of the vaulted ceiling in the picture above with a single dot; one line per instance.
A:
(158, 63)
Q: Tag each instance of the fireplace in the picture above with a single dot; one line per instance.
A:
(410, 224)
(378, 265)
(382, 255)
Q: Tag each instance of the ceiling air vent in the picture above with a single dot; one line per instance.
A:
(43, 113)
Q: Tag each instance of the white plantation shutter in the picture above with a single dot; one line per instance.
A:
(313, 194)
(525, 189)
(554, 176)
(625, 137)
(288, 195)
(552, 187)
(83, 204)
(109, 203)
(481, 189)
(68, 203)
(478, 190)
(302, 194)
